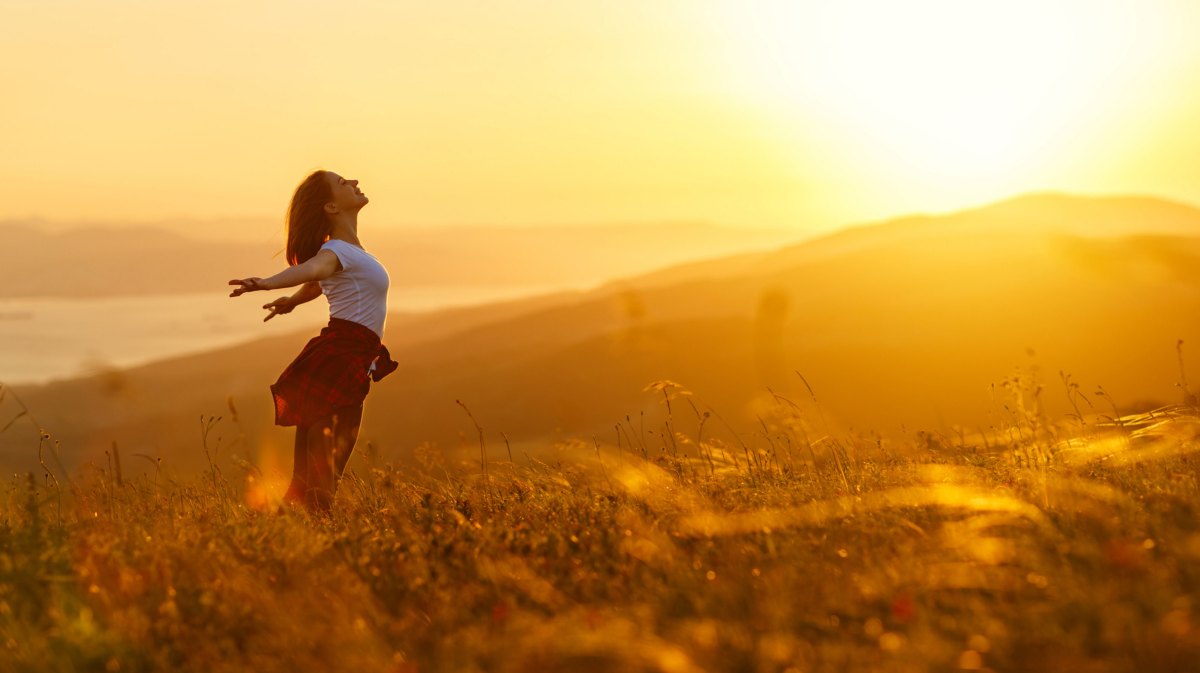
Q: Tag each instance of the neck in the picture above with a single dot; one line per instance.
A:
(345, 228)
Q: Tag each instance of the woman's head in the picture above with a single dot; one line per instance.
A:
(344, 195)
(320, 197)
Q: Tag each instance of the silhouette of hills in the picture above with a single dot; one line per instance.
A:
(108, 261)
(919, 323)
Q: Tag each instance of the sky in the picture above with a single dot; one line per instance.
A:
(799, 114)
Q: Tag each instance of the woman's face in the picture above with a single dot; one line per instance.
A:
(345, 193)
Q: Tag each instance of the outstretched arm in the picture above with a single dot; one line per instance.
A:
(321, 266)
(307, 292)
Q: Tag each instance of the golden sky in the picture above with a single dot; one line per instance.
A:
(775, 112)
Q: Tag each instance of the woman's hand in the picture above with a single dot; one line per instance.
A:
(247, 285)
(279, 307)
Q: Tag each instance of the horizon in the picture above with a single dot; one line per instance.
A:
(68, 226)
(1079, 216)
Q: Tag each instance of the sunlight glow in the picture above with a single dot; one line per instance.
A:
(944, 89)
(265, 488)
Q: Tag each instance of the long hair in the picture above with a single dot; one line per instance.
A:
(307, 225)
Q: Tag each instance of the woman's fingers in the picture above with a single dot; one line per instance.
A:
(245, 285)
(277, 307)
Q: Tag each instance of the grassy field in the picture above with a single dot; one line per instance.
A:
(1036, 546)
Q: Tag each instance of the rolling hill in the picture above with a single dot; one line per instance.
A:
(921, 323)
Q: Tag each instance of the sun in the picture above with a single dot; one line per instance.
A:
(954, 90)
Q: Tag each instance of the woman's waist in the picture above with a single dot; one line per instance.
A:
(350, 331)
(358, 343)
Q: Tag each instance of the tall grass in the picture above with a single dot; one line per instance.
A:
(1033, 545)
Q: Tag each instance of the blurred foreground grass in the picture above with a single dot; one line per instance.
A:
(1039, 548)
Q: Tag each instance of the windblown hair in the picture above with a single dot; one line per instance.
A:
(308, 227)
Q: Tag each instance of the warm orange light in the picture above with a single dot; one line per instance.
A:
(975, 97)
(264, 490)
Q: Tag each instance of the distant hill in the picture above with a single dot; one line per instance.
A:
(88, 262)
(920, 323)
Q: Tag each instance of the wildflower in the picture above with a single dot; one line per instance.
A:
(903, 608)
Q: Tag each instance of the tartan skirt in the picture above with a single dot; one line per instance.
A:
(333, 371)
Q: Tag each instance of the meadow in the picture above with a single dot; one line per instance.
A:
(1041, 544)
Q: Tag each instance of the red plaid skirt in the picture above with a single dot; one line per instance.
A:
(333, 371)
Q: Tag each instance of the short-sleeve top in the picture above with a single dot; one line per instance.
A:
(358, 292)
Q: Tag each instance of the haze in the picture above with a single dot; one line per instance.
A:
(590, 147)
(801, 114)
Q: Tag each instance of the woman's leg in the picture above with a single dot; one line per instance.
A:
(298, 487)
(330, 443)
(349, 420)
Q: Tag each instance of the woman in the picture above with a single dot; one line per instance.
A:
(322, 391)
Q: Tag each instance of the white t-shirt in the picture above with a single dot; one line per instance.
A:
(358, 292)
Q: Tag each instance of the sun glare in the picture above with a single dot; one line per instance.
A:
(944, 89)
